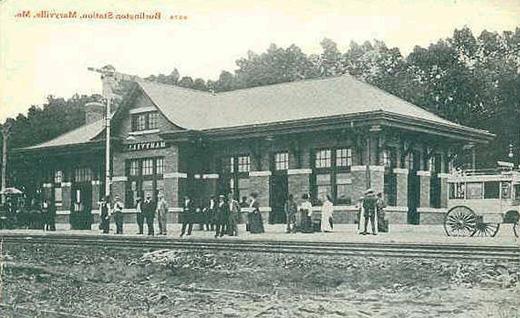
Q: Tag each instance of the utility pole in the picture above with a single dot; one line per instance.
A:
(6, 131)
(109, 78)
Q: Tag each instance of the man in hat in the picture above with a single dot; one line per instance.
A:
(369, 207)
(234, 213)
(139, 215)
(104, 207)
(162, 212)
(118, 215)
(148, 208)
(221, 216)
(188, 210)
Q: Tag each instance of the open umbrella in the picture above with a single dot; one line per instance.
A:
(11, 191)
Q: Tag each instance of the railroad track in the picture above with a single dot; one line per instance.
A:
(402, 250)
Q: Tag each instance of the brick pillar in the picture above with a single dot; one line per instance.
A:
(359, 182)
(298, 182)
(401, 176)
(424, 184)
(118, 188)
(209, 184)
(66, 195)
(377, 178)
(444, 189)
(259, 183)
(48, 191)
(95, 194)
(172, 187)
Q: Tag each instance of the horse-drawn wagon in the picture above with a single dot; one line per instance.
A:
(481, 200)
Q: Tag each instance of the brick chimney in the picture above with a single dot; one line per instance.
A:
(94, 111)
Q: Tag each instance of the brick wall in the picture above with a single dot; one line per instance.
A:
(260, 185)
(401, 176)
(298, 184)
(424, 184)
(359, 182)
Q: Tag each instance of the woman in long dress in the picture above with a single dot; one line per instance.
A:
(257, 224)
(306, 214)
(326, 215)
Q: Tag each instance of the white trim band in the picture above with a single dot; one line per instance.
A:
(299, 171)
(66, 184)
(264, 209)
(266, 173)
(210, 176)
(396, 209)
(196, 176)
(95, 182)
(377, 168)
(424, 173)
(142, 110)
(443, 175)
(144, 132)
(431, 210)
(400, 171)
(174, 209)
(47, 185)
(358, 168)
(173, 175)
(119, 178)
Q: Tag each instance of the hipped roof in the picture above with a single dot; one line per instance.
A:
(273, 104)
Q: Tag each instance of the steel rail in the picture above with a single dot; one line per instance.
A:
(431, 251)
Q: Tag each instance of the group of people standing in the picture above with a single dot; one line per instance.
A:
(301, 218)
(372, 207)
(35, 215)
(221, 215)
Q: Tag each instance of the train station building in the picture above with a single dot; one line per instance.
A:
(336, 136)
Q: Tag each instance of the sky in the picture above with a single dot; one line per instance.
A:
(50, 56)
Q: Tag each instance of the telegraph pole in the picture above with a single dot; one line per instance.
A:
(6, 131)
(109, 78)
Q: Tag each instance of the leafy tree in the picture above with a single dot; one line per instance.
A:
(186, 81)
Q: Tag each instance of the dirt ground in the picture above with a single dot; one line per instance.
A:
(105, 282)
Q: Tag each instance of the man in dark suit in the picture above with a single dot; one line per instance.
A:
(188, 211)
(148, 209)
(209, 214)
(221, 216)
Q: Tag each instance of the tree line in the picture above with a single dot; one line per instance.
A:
(468, 79)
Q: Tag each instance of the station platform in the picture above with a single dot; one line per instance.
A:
(399, 233)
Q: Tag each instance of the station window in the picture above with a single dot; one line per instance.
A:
(323, 185)
(281, 161)
(82, 174)
(159, 166)
(144, 177)
(323, 158)
(145, 121)
(147, 167)
(153, 122)
(134, 167)
(244, 164)
(491, 190)
(344, 157)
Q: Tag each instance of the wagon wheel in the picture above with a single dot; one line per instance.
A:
(460, 221)
(486, 229)
(516, 228)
